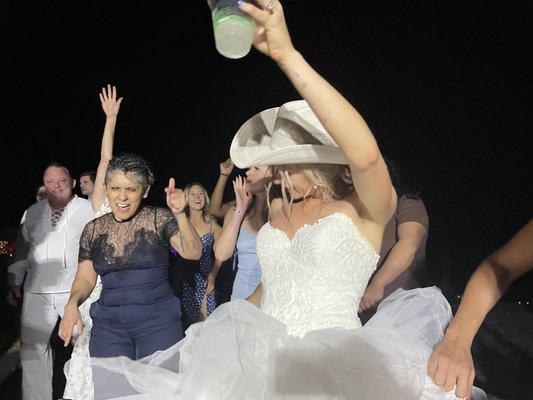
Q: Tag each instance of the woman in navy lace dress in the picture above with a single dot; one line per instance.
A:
(136, 313)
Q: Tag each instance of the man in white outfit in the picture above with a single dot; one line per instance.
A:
(48, 259)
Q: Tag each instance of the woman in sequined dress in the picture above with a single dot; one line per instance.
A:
(197, 279)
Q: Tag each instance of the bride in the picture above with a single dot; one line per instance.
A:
(298, 336)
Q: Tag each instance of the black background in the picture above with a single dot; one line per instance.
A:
(444, 86)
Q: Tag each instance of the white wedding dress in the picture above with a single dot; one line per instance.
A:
(306, 342)
(79, 384)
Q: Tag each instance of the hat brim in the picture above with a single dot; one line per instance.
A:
(246, 157)
(250, 146)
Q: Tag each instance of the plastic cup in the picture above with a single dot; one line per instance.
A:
(233, 29)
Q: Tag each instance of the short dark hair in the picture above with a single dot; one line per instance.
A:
(90, 174)
(131, 163)
(60, 166)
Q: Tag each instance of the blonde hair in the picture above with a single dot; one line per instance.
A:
(206, 215)
(327, 179)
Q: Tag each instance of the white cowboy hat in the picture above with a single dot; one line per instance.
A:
(290, 134)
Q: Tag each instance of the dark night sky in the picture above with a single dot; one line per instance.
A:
(443, 85)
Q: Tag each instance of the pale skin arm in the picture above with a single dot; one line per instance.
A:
(410, 236)
(255, 297)
(224, 247)
(111, 107)
(341, 120)
(216, 207)
(186, 241)
(82, 287)
(451, 362)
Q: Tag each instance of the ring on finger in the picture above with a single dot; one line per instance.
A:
(269, 6)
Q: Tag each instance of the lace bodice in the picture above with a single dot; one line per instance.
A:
(316, 279)
(142, 241)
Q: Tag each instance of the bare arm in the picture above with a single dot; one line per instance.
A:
(341, 120)
(111, 107)
(186, 241)
(410, 236)
(224, 247)
(83, 284)
(216, 208)
(451, 362)
(82, 287)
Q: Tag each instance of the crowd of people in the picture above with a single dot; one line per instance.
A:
(327, 249)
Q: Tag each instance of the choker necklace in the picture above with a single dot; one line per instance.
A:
(298, 200)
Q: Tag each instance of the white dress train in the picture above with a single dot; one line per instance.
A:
(306, 341)
(79, 384)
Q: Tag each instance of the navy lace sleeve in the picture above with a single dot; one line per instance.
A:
(166, 224)
(86, 242)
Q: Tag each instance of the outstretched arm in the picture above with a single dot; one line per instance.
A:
(451, 362)
(111, 107)
(341, 120)
(216, 208)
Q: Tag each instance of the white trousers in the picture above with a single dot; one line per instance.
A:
(40, 312)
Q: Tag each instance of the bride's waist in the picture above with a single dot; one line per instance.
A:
(301, 319)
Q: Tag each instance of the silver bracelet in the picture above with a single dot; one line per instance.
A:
(236, 209)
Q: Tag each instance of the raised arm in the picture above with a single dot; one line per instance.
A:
(186, 241)
(224, 247)
(451, 362)
(111, 107)
(216, 208)
(337, 115)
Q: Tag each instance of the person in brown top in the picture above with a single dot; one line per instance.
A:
(403, 249)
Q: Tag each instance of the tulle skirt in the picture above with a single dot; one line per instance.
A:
(240, 352)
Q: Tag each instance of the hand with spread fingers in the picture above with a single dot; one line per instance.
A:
(242, 196)
(272, 36)
(110, 104)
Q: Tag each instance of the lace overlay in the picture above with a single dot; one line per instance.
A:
(316, 279)
(109, 244)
